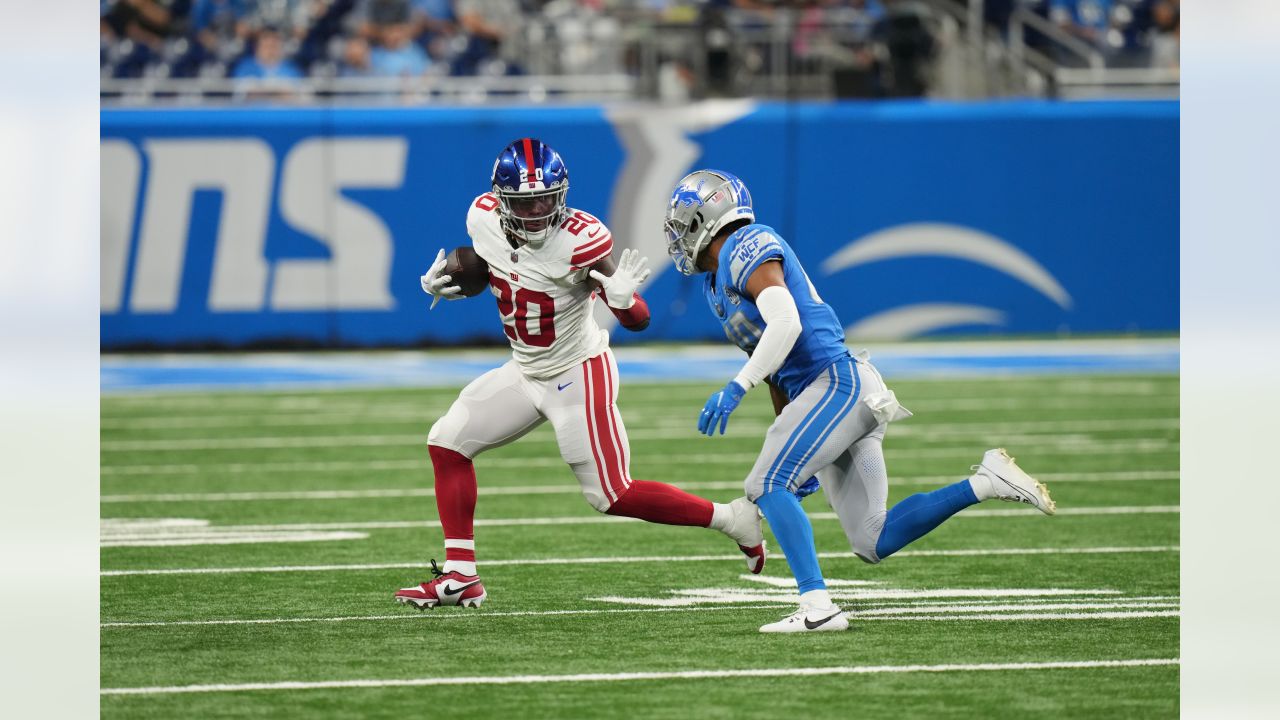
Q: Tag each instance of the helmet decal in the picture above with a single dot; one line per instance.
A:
(703, 202)
(531, 182)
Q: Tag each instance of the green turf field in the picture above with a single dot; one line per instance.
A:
(327, 495)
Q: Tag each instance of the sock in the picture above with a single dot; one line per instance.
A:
(816, 599)
(664, 504)
(721, 516)
(981, 485)
(456, 503)
(791, 526)
(916, 515)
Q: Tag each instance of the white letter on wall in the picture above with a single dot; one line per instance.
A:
(358, 275)
(120, 169)
(242, 170)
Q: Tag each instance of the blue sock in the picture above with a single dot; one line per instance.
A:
(916, 515)
(791, 526)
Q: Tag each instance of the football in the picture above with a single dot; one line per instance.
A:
(468, 270)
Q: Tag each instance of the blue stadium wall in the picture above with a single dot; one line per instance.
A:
(266, 226)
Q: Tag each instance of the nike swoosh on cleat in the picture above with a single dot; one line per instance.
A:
(1023, 495)
(458, 589)
(562, 387)
(820, 623)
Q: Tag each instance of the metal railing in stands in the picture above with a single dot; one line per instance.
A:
(1079, 83)
(398, 91)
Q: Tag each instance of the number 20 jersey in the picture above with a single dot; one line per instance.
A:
(821, 340)
(544, 296)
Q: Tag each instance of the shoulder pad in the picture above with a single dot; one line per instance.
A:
(747, 249)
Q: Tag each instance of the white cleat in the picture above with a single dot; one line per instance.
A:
(810, 619)
(745, 530)
(1011, 483)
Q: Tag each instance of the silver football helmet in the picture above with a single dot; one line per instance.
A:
(703, 202)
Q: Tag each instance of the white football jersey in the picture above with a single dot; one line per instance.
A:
(544, 296)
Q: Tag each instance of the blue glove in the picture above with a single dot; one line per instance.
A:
(809, 487)
(718, 408)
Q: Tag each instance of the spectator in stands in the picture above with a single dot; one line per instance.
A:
(292, 17)
(216, 22)
(1165, 16)
(135, 32)
(356, 58)
(433, 17)
(371, 16)
(493, 28)
(144, 21)
(267, 61)
(396, 55)
(1086, 19)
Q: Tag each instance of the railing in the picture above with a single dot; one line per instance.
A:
(391, 91)
(1077, 83)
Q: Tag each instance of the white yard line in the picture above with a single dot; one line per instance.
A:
(1005, 617)
(771, 672)
(423, 465)
(387, 493)
(1007, 608)
(871, 611)
(223, 538)
(1024, 442)
(605, 519)
(569, 489)
(444, 615)
(418, 565)
(419, 417)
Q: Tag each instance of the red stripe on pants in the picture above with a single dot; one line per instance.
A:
(588, 393)
(600, 402)
(612, 410)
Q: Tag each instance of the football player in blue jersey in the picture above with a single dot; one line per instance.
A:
(833, 408)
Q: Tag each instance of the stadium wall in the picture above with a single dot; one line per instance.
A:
(256, 227)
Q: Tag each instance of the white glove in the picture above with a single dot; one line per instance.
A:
(620, 288)
(437, 285)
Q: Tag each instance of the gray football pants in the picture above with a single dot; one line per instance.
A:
(834, 430)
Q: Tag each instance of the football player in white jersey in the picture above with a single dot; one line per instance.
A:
(547, 263)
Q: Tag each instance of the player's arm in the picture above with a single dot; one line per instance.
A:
(618, 284)
(767, 287)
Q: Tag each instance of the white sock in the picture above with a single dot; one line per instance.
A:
(721, 516)
(981, 485)
(460, 566)
(816, 599)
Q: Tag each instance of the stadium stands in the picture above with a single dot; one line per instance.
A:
(665, 49)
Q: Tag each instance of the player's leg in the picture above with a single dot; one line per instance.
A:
(582, 406)
(810, 434)
(858, 486)
(493, 410)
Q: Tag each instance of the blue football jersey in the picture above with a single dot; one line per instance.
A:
(821, 340)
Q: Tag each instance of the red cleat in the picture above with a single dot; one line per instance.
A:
(447, 588)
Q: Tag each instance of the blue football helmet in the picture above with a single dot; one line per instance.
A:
(531, 183)
(702, 204)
